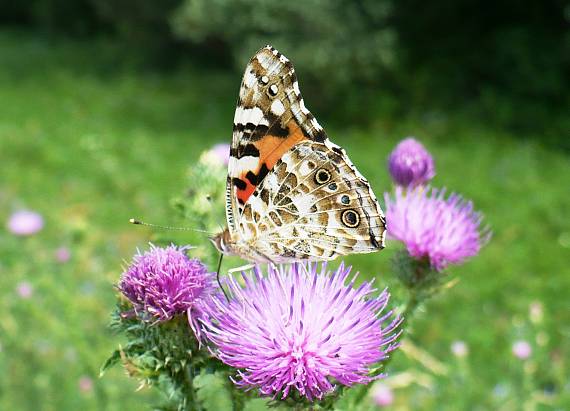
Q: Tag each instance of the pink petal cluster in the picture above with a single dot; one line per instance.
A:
(297, 331)
(410, 164)
(164, 282)
(444, 231)
(25, 222)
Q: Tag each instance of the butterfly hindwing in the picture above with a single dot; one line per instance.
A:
(313, 205)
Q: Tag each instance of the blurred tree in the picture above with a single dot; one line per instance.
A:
(506, 63)
(337, 46)
(511, 57)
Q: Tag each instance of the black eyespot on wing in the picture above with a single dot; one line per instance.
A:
(350, 218)
(333, 186)
(322, 176)
(345, 199)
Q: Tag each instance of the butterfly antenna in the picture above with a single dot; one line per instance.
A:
(164, 227)
(218, 276)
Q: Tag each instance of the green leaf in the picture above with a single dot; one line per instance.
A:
(110, 362)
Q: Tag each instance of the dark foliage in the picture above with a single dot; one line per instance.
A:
(504, 63)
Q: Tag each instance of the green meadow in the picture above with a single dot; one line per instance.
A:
(89, 140)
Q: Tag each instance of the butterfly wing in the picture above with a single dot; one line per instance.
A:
(315, 205)
(269, 120)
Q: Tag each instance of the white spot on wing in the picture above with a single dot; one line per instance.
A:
(303, 203)
(244, 164)
(252, 115)
(277, 108)
(296, 88)
(271, 182)
(249, 79)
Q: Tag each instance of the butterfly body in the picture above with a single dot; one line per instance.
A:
(291, 193)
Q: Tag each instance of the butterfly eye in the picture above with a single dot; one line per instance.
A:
(350, 218)
(322, 176)
(272, 90)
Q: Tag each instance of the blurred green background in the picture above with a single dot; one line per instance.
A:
(105, 104)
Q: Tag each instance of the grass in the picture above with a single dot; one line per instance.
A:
(89, 141)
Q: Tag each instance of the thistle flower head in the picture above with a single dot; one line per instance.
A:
(444, 231)
(296, 331)
(163, 282)
(410, 164)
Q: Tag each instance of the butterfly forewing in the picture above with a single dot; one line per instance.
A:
(270, 119)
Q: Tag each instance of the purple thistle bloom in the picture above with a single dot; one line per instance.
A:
(410, 164)
(164, 282)
(445, 231)
(25, 222)
(299, 330)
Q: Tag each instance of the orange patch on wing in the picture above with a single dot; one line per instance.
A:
(244, 194)
(271, 149)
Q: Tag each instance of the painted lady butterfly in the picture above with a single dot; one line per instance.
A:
(291, 193)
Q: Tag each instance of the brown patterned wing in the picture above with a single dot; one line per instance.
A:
(313, 205)
(270, 119)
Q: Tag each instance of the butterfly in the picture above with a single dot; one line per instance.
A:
(291, 194)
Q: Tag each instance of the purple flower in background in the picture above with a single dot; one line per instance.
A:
(444, 231)
(298, 330)
(410, 164)
(25, 222)
(382, 395)
(164, 282)
(24, 290)
(222, 152)
(62, 254)
(522, 349)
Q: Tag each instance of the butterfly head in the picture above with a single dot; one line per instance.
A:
(222, 242)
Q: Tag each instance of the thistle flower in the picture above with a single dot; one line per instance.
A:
(25, 222)
(299, 332)
(164, 282)
(410, 164)
(444, 231)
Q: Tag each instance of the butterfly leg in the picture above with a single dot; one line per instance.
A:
(242, 268)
